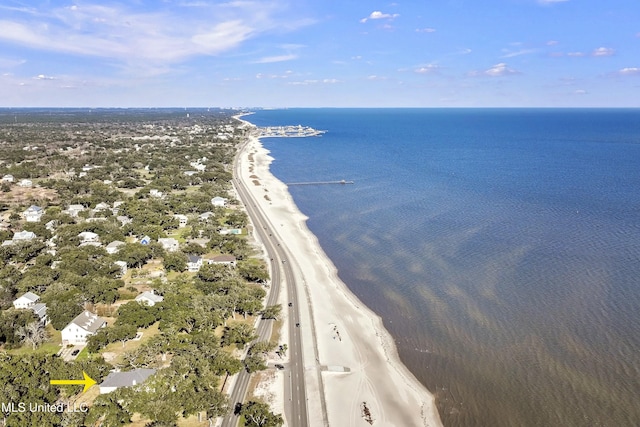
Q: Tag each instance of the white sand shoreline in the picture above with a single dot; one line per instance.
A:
(347, 333)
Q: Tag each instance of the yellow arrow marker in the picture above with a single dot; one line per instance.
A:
(87, 382)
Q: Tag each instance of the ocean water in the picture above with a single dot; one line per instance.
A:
(500, 246)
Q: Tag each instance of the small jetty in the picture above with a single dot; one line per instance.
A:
(341, 182)
(298, 131)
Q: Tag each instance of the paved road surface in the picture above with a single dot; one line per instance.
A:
(295, 395)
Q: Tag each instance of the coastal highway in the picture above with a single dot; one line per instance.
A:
(295, 392)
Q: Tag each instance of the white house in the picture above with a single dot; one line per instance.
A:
(7, 178)
(198, 166)
(156, 193)
(74, 210)
(145, 240)
(124, 220)
(169, 244)
(26, 300)
(40, 310)
(182, 219)
(116, 380)
(205, 216)
(123, 267)
(88, 237)
(229, 260)
(190, 173)
(24, 235)
(33, 213)
(82, 327)
(194, 263)
(149, 298)
(219, 201)
(26, 183)
(114, 247)
(51, 225)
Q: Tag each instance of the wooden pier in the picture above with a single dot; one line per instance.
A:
(341, 182)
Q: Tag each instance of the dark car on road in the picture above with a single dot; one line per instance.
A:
(75, 352)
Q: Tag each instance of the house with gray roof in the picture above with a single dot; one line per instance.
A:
(26, 300)
(116, 380)
(81, 328)
(33, 213)
(194, 262)
(40, 310)
(149, 298)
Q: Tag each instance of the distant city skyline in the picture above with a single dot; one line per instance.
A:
(279, 53)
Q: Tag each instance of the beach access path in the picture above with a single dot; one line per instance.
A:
(352, 372)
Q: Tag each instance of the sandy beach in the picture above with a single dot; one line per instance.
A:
(351, 363)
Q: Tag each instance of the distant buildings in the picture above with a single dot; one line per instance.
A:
(156, 193)
(114, 247)
(7, 178)
(33, 213)
(169, 244)
(81, 328)
(74, 210)
(219, 201)
(182, 220)
(24, 235)
(25, 183)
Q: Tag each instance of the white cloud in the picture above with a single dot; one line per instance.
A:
(425, 30)
(519, 53)
(552, 42)
(629, 71)
(379, 15)
(11, 63)
(498, 70)
(576, 54)
(551, 1)
(43, 77)
(427, 69)
(119, 33)
(580, 92)
(603, 51)
(277, 58)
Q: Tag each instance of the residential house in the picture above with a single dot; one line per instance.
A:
(124, 220)
(205, 216)
(149, 298)
(26, 183)
(219, 201)
(82, 327)
(88, 237)
(229, 260)
(194, 262)
(169, 244)
(40, 310)
(51, 225)
(145, 240)
(26, 300)
(182, 220)
(190, 173)
(123, 267)
(114, 247)
(116, 380)
(33, 213)
(74, 210)
(198, 166)
(7, 178)
(24, 235)
(156, 193)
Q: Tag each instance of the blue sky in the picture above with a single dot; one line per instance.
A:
(342, 53)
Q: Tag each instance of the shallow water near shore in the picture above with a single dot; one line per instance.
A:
(501, 248)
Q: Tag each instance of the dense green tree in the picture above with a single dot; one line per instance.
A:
(257, 414)
(175, 261)
(253, 271)
(139, 315)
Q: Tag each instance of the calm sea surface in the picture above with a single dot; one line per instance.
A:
(501, 248)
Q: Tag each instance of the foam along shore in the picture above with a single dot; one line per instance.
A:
(351, 362)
